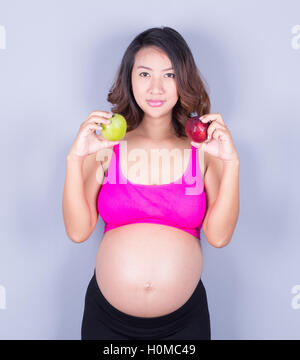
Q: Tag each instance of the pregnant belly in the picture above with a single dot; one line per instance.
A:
(148, 270)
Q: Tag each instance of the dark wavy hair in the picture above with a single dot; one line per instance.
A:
(190, 86)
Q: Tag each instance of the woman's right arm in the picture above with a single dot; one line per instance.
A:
(80, 193)
(84, 176)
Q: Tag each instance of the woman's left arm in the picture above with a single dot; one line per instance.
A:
(225, 210)
(222, 215)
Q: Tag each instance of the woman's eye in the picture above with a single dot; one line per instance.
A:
(172, 75)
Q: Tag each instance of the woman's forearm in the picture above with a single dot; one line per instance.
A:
(225, 210)
(76, 211)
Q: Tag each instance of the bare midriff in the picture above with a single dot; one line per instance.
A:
(148, 270)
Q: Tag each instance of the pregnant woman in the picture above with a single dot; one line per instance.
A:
(147, 277)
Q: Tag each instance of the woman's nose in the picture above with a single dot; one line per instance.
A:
(156, 85)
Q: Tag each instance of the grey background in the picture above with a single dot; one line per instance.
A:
(58, 64)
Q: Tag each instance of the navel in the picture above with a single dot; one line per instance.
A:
(148, 285)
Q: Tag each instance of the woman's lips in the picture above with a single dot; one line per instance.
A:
(155, 103)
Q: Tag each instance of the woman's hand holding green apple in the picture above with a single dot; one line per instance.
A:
(87, 142)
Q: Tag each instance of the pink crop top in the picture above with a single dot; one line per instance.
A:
(180, 204)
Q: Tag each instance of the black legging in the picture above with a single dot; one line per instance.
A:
(102, 321)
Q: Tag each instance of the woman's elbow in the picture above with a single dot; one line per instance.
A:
(76, 239)
(218, 243)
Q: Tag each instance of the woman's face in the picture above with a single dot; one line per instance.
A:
(157, 82)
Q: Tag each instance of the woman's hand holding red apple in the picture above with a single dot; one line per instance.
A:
(219, 141)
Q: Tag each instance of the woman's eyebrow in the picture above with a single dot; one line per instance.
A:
(148, 68)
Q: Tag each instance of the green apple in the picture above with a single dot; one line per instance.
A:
(116, 130)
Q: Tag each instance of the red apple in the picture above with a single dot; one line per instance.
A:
(195, 129)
